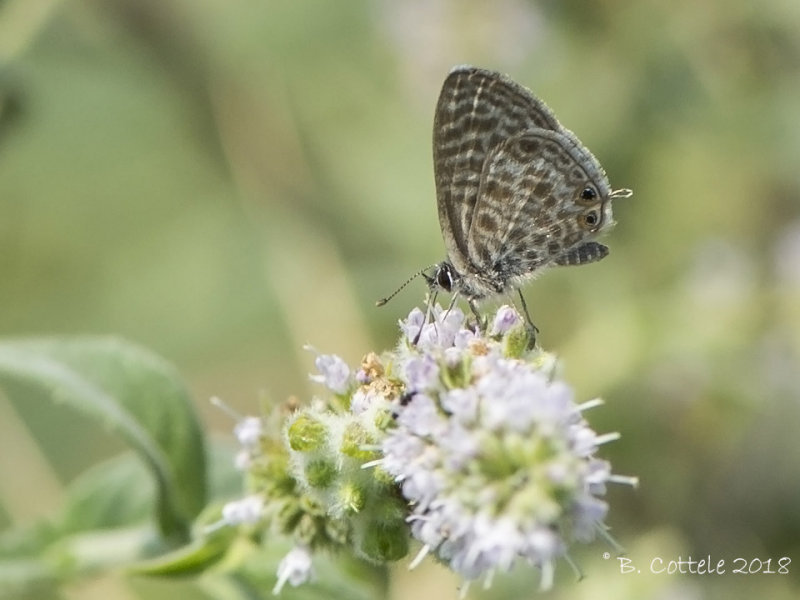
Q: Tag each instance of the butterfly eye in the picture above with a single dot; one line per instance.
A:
(588, 193)
(444, 279)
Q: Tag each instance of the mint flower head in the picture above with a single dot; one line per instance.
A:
(491, 450)
(468, 442)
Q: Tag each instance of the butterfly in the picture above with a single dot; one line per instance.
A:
(516, 191)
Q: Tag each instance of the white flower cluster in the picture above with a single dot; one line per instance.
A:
(491, 451)
(465, 440)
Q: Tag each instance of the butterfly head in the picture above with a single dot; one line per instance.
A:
(444, 277)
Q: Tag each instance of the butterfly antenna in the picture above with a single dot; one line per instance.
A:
(623, 193)
(383, 301)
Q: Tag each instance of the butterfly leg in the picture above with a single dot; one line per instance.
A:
(481, 323)
(534, 330)
(451, 305)
(428, 311)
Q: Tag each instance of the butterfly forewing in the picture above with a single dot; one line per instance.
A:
(477, 111)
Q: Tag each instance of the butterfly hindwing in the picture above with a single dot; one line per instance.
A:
(529, 211)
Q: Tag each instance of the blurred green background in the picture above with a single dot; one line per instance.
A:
(224, 181)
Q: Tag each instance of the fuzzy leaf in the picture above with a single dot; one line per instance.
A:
(131, 392)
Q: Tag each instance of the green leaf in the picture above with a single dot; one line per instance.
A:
(194, 558)
(249, 572)
(115, 493)
(99, 527)
(132, 392)
(217, 543)
(337, 575)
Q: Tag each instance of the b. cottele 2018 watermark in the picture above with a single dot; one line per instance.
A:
(706, 565)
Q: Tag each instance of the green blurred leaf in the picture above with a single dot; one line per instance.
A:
(336, 575)
(191, 559)
(99, 527)
(204, 552)
(236, 566)
(219, 542)
(115, 493)
(132, 392)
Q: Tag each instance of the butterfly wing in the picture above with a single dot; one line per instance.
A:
(477, 111)
(533, 207)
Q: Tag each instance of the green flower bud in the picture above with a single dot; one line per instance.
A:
(320, 474)
(352, 497)
(516, 341)
(306, 433)
(354, 439)
(381, 542)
